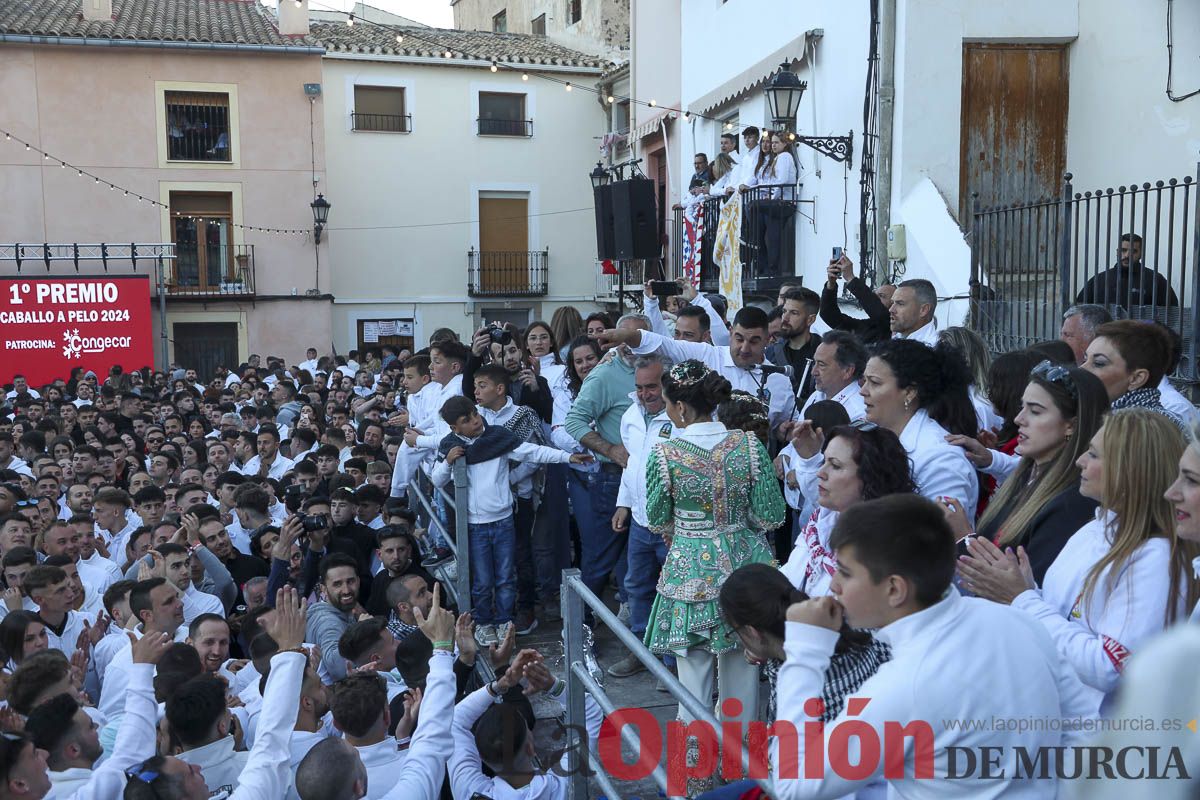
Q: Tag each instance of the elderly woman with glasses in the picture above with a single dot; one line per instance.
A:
(1039, 505)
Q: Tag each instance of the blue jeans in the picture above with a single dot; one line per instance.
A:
(603, 548)
(493, 569)
(523, 525)
(647, 553)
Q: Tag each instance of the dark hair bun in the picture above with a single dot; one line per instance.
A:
(714, 389)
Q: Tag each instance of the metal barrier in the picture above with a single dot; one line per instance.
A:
(574, 595)
(457, 583)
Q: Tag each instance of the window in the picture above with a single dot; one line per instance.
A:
(574, 11)
(503, 114)
(201, 228)
(500, 22)
(380, 109)
(538, 26)
(198, 126)
(621, 117)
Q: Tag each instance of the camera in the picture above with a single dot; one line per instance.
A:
(313, 522)
(294, 497)
(499, 335)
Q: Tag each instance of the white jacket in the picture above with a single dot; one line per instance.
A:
(136, 744)
(927, 334)
(1096, 638)
(811, 565)
(267, 775)
(490, 498)
(424, 769)
(639, 434)
(383, 761)
(939, 468)
(848, 397)
(938, 656)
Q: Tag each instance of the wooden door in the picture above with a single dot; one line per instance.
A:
(1014, 124)
(503, 245)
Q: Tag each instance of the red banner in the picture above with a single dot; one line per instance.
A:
(48, 326)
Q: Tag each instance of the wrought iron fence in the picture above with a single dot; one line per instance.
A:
(505, 127)
(1132, 249)
(198, 126)
(507, 273)
(381, 123)
(767, 239)
(217, 270)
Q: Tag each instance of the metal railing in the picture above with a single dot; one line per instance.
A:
(507, 273)
(381, 123)
(505, 127)
(1031, 261)
(198, 126)
(767, 239)
(574, 596)
(222, 270)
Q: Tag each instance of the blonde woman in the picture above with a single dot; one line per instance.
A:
(1120, 579)
(1184, 497)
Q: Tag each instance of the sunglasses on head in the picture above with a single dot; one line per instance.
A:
(140, 773)
(1056, 373)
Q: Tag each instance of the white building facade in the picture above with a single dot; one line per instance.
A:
(460, 195)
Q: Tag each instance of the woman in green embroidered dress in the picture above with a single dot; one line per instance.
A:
(712, 494)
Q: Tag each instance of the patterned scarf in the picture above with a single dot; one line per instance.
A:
(495, 441)
(693, 238)
(727, 251)
(820, 559)
(1149, 398)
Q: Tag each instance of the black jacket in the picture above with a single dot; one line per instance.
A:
(1048, 532)
(1121, 286)
(540, 400)
(875, 328)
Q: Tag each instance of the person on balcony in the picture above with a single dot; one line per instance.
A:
(723, 170)
(775, 179)
(1128, 283)
(703, 174)
(877, 325)
(747, 161)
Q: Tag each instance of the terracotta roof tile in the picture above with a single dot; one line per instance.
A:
(511, 48)
(221, 21)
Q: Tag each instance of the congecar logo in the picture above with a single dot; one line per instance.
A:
(74, 345)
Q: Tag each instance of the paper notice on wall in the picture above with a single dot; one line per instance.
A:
(387, 327)
(404, 327)
(371, 332)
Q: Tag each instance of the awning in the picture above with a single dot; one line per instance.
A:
(650, 126)
(750, 79)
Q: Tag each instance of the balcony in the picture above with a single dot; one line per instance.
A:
(517, 128)
(761, 217)
(217, 271)
(510, 273)
(381, 123)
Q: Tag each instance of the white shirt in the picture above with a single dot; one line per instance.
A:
(520, 476)
(933, 652)
(424, 768)
(219, 763)
(70, 635)
(717, 331)
(98, 573)
(985, 414)
(776, 389)
(939, 468)
(747, 165)
(1097, 638)
(438, 427)
(927, 334)
(1177, 404)
(278, 467)
(490, 498)
(639, 435)
(382, 760)
(310, 366)
(196, 602)
(848, 397)
(19, 466)
(33, 393)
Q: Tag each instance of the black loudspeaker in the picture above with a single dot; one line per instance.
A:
(635, 225)
(606, 247)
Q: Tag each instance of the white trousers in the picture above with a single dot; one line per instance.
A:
(736, 679)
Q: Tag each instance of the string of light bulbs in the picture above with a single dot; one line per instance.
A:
(113, 187)
(496, 64)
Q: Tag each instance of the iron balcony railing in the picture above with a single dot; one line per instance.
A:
(505, 127)
(218, 271)
(767, 240)
(510, 273)
(381, 123)
(1030, 261)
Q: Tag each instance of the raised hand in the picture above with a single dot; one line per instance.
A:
(286, 625)
(806, 439)
(438, 627)
(464, 637)
(408, 720)
(149, 648)
(12, 599)
(537, 678)
(821, 612)
(516, 670)
(500, 655)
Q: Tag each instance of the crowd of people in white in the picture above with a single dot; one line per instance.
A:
(221, 588)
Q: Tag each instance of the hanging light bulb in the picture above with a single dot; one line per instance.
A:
(494, 67)
(45, 156)
(399, 38)
(448, 54)
(62, 164)
(568, 87)
(524, 77)
(111, 187)
(652, 103)
(7, 136)
(687, 117)
(610, 99)
(728, 126)
(350, 21)
(26, 145)
(97, 180)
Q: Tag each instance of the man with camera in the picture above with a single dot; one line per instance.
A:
(527, 387)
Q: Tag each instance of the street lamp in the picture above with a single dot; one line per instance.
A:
(600, 176)
(320, 208)
(783, 98)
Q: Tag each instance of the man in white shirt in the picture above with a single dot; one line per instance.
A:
(21, 386)
(62, 539)
(644, 424)
(748, 161)
(50, 589)
(741, 363)
(702, 325)
(361, 712)
(269, 462)
(912, 311)
(896, 558)
(8, 458)
(838, 364)
(177, 568)
(334, 770)
(310, 361)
